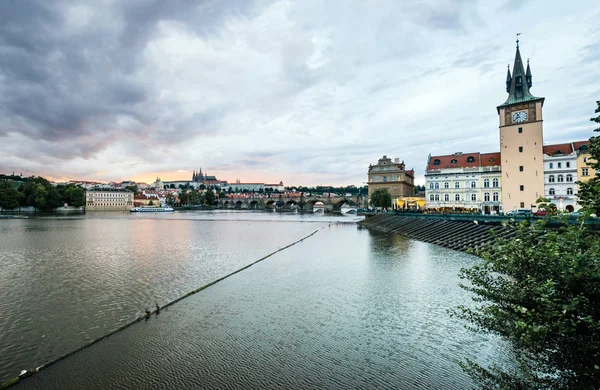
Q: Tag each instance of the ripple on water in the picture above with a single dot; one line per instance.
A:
(343, 309)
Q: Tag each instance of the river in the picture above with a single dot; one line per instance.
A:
(346, 307)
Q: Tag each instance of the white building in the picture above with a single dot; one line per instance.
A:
(560, 176)
(107, 199)
(464, 182)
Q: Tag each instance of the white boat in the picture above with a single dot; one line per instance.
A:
(150, 209)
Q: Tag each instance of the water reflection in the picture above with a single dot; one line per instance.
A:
(347, 308)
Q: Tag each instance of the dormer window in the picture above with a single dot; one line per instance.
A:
(583, 148)
(453, 161)
(519, 80)
(436, 162)
(470, 159)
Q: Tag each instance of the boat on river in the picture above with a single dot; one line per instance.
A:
(150, 209)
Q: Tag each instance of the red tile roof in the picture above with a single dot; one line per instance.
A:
(490, 159)
(579, 144)
(551, 150)
(455, 161)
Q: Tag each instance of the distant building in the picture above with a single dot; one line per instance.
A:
(393, 176)
(106, 199)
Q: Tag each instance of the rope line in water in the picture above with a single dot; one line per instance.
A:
(16, 380)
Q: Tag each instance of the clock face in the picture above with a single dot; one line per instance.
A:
(520, 116)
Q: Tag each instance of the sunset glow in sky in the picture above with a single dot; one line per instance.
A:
(305, 92)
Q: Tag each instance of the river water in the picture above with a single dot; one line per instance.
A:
(346, 307)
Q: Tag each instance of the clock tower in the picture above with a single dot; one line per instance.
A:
(521, 140)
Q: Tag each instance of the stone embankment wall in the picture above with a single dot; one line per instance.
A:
(459, 235)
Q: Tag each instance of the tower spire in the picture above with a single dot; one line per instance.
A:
(528, 75)
(508, 78)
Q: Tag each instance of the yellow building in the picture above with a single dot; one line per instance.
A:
(584, 171)
(521, 140)
(411, 203)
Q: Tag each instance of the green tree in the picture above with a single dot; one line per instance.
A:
(39, 197)
(589, 192)
(222, 195)
(170, 200)
(75, 196)
(9, 198)
(133, 189)
(381, 198)
(541, 291)
(209, 197)
(53, 200)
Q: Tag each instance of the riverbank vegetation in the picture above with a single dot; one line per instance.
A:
(541, 291)
(39, 193)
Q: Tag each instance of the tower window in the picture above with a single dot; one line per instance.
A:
(520, 149)
(522, 187)
(521, 168)
(520, 130)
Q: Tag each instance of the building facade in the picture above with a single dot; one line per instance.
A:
(560, 176)
(393, 176)
(464, 182)
(521, 140)
(584, 171)
(108, 199)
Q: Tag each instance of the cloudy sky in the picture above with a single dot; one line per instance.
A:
(309, 92)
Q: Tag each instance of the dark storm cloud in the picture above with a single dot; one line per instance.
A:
(67, 82)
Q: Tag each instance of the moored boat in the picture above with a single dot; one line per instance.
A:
(150, 209)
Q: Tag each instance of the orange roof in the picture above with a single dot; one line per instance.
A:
(551, 150)
(490, 159)
(460, 160)
(579, 144)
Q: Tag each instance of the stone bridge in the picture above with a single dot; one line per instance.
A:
(302, 203)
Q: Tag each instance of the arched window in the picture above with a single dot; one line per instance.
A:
(486, 183)
(457, 185)
(486, 197)
(551, 191)
(446, 185)
(431, 197)
(446, 197)
(437, 186)
(495, 182)
(569, 191)
(473, 197)
(436, 162)
(431, 186)
(495, 197)
(457, 197)
(551, 179)
(437, 197)
(473, 184)
(560, 178)
(569, 177)
(470, 159)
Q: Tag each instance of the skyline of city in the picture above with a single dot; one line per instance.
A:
(303, 93)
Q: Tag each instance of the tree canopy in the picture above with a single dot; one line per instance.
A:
(589, 192)
(381, 198)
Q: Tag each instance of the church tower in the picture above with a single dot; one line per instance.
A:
(521, 140)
